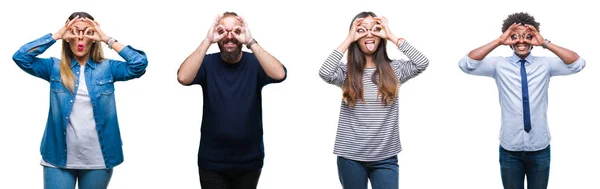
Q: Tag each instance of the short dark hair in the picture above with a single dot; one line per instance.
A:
(521, 17)
(226, 14)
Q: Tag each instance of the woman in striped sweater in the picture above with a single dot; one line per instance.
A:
(367, 140)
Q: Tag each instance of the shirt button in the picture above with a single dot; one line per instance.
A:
(76, 85)
(71, 101)
(66, 117)
(100, 82)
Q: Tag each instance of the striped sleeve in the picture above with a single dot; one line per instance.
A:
(333, 71)
(407, 69)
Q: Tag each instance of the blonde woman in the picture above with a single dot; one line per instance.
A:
(81, 142)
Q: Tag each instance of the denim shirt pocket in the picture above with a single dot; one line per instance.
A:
(56, 85)
(106, 86)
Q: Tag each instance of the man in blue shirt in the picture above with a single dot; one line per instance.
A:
(522, 80)
(231, 149)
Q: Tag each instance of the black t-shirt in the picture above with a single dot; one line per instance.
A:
(232, 133)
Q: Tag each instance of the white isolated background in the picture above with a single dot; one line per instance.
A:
(449, 121)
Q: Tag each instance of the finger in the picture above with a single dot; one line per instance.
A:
(87, 20)
(222, 35)
(379, 33)
(361, 35)
(513, 26)
(220, 29)
(510, 30)
(70, 22)
(89, 31)
(378, 27)
(238, 30)
(357, 22)
(381, 19)
(219, 37)
(237, 37)
(532, 28)
(92, 37)
(241, 19)
(217, 18)
(381, 23)
(73, 31)
(513, 41)
(92, 22)
(71, 35)
(361, 28)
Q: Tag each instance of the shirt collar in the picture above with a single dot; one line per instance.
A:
(515, 59)
(89, 62)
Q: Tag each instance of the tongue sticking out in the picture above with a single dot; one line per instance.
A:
(371, 46)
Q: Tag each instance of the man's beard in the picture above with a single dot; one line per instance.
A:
(230, 57)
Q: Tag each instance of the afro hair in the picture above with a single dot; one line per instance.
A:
(522, 18)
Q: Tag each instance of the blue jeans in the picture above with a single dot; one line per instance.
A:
(56, 178)
(515, 165)
(354, 174)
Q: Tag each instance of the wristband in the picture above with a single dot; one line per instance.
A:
(546, 42)
(398, 40)
(252, 42)
(110, 42)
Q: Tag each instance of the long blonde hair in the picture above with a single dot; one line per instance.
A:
(66, 74)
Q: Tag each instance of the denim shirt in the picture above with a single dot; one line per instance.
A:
(100, 78)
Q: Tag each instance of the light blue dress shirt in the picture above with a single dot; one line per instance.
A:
(506, 72)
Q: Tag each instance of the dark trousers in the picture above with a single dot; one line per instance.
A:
(228, 180)
(514, 166)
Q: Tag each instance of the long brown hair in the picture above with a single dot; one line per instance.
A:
(384, 76)
(66, 74)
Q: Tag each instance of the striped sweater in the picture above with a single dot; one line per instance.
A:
(369, 131)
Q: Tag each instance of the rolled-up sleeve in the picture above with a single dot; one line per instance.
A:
(558, 67)
(134, 66)
(485, 67)
(333, 71)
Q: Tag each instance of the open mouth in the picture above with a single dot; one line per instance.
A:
(230, 44)
(80, 47)
(522, 47)
(370, 45)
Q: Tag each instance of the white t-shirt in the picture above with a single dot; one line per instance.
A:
(83, 146)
